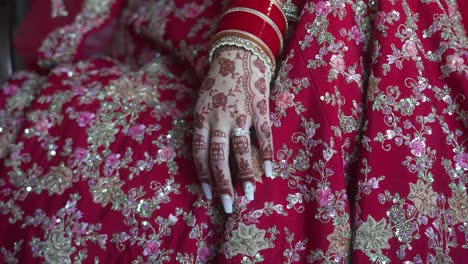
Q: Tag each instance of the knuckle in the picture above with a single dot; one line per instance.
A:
(217, 116)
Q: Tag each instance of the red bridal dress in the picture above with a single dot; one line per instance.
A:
(369, 115)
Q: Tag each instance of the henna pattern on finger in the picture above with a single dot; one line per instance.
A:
(241, 121)
(199, 142)
(244, 167)
(265, 129)
(240, 144)
(222, 182)
(217, 151)
(246, 172)
(267, 153)
(203, 173)
(262, 107)
(260, 85)
(199, 120)
(218, 133)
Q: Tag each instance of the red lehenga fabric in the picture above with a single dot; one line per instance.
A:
(369, 114)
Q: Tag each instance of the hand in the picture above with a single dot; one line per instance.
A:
(233, 97)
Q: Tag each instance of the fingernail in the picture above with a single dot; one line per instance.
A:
(227, 203)
(207, 191)
(268, 167)
(249, 190)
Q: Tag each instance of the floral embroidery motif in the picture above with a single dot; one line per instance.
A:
(9, 257)
(423, 197)
(369, 121)
(58, 179)
(61, 45)
(64, 234)
(247, 240)
(372, 236)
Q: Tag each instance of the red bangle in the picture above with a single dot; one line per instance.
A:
(254, 25)
(278, 3)
(264, 17)
(269, 8)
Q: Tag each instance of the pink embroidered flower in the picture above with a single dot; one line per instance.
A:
(455, 62)
(410, 48)
(324, 196)
(79, 228)
(204, 254)
(417, 147)
(285, 100)
(451, 10)
(356, 34)
(112, 160)
(80, 154)
(172, 219)
(85, 118)
(192, 10)
(337, 62)
(380, 19)
(461, 160)
(151, 248)
(373, 183)
(137, 131)
(42, 126)
(79, 90)
(163, 12)
(323, 8)
(166, 154)
(310, 132)
(10, 89)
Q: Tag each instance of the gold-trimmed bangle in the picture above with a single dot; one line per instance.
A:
(242, 42)
(251, 38)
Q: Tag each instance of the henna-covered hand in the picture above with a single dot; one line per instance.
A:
(234, 95)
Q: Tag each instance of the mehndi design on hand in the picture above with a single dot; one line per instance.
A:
(234, 95)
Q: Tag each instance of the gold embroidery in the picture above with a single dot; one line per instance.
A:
(61, 45)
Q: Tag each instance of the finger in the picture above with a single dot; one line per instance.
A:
(242, 151)
(200, 143)
(264, 135)
(219, 151)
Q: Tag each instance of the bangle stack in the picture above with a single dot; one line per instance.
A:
(258, 26)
